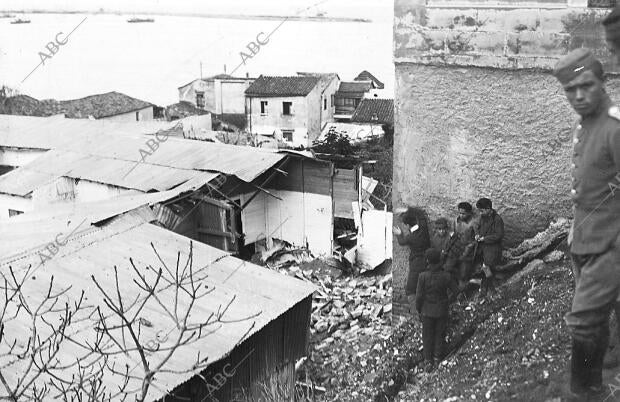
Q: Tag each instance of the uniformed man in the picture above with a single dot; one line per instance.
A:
(595, 235)
(611, 23)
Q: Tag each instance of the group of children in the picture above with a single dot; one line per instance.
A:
(441, 265)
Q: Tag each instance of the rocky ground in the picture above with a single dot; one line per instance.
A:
(512, 346)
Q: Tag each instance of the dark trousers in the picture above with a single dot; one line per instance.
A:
(417, 265)
(597, 286)
(433, 335)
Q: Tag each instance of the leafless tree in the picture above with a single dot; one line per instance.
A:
(122, 334)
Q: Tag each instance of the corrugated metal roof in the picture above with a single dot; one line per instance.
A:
(95, 251)
(121, 142)
(282, 86)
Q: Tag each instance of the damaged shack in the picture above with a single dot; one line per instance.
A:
(261, 336)
(242, 197)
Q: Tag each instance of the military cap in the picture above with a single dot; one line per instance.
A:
(612, 25)
(576, 62)
(484, 203)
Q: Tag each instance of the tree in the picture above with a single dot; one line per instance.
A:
(73, 349)
(7, 92)
(334, 143)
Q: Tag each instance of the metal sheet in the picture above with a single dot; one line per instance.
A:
(126, 141)
(254, 289)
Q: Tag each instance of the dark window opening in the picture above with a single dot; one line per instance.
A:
(263, 107)
(200, 100)
(137, 116)
(602, 3)
(286, 108)
(287, 135)
(325, 104)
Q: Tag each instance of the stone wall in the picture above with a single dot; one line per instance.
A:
(478, 114)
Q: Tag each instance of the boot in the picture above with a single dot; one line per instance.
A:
(436, 362)
(612, 358)
(579, 369)
(429, 367)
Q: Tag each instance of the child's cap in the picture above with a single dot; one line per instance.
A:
(433, 256)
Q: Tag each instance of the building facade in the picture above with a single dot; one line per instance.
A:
(292, 110)
(220, 94)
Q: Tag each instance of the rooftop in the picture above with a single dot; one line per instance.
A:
(282, 86)
(97, 106)
(380, 111)
(366, 76)
(252, 291)
(354, 87)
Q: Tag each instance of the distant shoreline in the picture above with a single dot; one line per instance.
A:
(199, 15)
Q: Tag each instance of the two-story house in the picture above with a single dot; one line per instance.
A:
(222, 94)
(293, 109)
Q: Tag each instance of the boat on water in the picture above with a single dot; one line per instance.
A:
(20, 21)
(134, 20)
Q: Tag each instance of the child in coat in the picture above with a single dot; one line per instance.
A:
(432, 302)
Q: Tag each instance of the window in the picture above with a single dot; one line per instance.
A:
(332, 104)
(287, 135)
(263, 107)
(200, 100)
(14, 212)
(137, 116)
(349, 102)
(286, 108)
(324, 103)
(602, 3)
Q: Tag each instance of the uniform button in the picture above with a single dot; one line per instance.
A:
(579, 127)
(573, 191)
(575, 140)
(574, 166)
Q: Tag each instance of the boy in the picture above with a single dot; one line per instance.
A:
(489, 233)
(432, 303)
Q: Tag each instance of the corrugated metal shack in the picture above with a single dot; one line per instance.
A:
(277, 336)
(259, 195)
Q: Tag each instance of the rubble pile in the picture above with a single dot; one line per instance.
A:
(351, 323)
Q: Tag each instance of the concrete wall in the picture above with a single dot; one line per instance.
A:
(477, 112)
(327, 115)
(143, 115)
(314, 104)
(230, 96)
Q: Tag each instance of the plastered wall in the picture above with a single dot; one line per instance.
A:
(478, 114)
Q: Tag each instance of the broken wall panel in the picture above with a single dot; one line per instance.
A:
(297, 218)
(254, 217)
(345, 192)
(305, 175)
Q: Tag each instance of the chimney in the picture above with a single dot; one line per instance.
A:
(247, 75)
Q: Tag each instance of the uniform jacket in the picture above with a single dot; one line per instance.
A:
(418, 241)
(596, 177)
(492, 229)
(464, 233)
(441, 243)
(432, 293)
